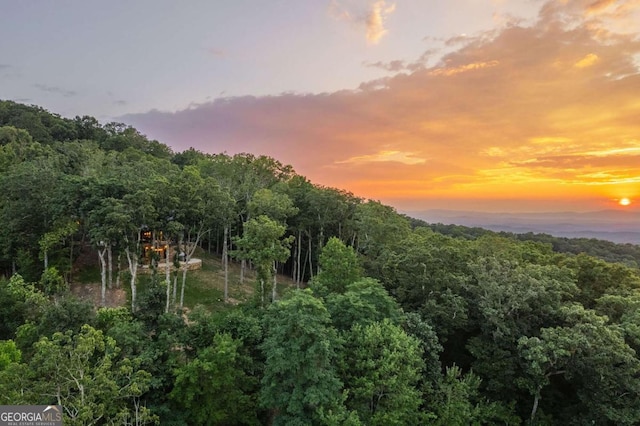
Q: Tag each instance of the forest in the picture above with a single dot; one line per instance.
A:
(357, 315)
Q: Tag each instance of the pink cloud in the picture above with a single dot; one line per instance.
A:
(520, 110)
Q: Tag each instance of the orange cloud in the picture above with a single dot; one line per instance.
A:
(599, 5)
(587, 61)
(384, 156)
(545, 111)
(447, 72)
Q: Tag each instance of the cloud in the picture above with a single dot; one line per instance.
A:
(394, 66)
(599, 5)
(4, 66)
(587, 61)
(375, 20)
(56, 90)
(547, 109)
(383, 157)
(371, 16)
(463, 68)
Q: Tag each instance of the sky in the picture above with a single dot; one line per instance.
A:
(488, 105)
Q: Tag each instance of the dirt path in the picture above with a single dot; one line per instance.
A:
(91, 292)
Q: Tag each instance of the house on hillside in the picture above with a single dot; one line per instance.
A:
(155, 248)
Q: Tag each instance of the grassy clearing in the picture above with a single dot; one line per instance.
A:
(203, 287)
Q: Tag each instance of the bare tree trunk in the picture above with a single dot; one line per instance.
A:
(109, 267)
(188, 253)
(175, 289)
(274, 289)
(225, 263)
(184, 281)
(262, 292)
(133, 270)
(310, 263)
(167, 274)
(103, 276)
(46, 260)
(118, 267)
(299, 275)
(536, 400)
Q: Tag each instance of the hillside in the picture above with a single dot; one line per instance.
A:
(616, 226)
(397, 321)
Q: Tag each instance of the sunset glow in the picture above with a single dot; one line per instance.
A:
(514, 105)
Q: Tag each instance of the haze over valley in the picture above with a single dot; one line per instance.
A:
(618, 226)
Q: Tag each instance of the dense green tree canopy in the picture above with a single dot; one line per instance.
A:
(376, 318)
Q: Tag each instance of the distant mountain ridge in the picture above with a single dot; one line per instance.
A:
(612, 225)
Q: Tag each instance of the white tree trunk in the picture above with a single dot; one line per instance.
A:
(109, 267)
(274, 289)
(184, 280)
(103, 276)
(118, 265)
(298, 270)
(188, 251)
(133, 270)
(310, 262)
(167, 272)
(175, 289)
(225, 263)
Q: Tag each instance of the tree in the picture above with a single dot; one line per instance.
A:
(512, 299)
(79, 372)
(200, 199)
(109, 221)
(52, 238)
(596, 278)
(381, 366)
(378, 225)
(300, 382)
(543, 358)
(594, 359)
(263, 243)
(458, 401)
(275, 205)
(339, 267)
(213, 389)
(9, 353)
(52, 282)
(28, 205)
(364, 302)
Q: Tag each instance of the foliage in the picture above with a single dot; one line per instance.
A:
(9, 353)
(381, 366)
(300, 379)
(212, 388)
(52, 282)
(263, 244)
(363, 302)
(405, 322)
(339, 267)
